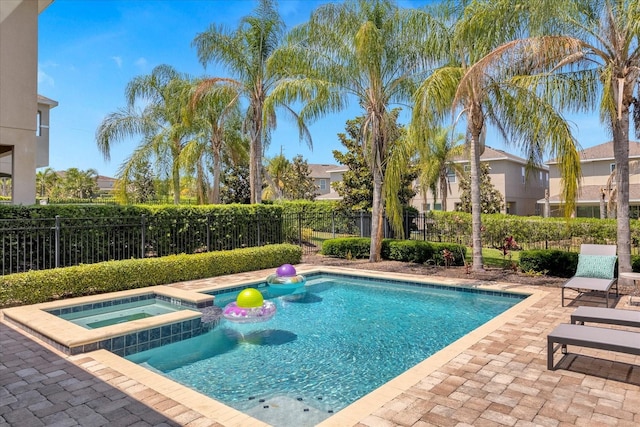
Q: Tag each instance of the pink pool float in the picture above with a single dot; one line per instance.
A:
(249, 307)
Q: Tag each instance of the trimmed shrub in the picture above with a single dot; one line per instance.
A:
(396, 250)
(40, 286)
(410, 251)
(356, 247)
(549, 261)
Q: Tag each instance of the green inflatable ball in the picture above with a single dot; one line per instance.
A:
(249, 298)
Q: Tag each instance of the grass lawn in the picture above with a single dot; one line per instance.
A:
(495, 258)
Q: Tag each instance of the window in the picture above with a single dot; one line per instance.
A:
(451, 175)
(322, 184)
(523, 174)
(612, 167)
(39, 123)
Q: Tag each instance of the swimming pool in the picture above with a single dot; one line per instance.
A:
(326, 348)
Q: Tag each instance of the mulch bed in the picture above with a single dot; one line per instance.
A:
(489, 274)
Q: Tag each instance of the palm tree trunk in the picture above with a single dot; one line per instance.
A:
(621, 155)
(475, 121)
(255, 152)
(443, 191)
(175, 172)
(217, 167)
(377, 234)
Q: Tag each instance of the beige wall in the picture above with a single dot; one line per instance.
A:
(506, 177)
(593, 173)
(18, 91)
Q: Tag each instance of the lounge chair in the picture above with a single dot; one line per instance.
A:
(609, 316)
(592, 337)
(595, 272)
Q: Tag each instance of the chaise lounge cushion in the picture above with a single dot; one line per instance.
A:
(596, 266)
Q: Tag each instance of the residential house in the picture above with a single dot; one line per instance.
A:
(521, 189)
(105, 185)
(324, 175)
(597, 163)
(24, 116)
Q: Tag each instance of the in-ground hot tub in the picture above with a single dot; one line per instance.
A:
(112, 312)
(123, 322)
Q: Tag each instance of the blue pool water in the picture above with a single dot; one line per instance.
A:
(324, 348)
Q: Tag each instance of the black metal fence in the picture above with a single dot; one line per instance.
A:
(36, 244)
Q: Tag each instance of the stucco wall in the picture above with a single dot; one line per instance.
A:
(18, 92)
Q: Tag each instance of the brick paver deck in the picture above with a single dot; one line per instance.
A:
(41, 388)
(500, 379)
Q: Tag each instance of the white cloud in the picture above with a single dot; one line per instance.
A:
(141, 62)
(44, 79)
(117, 60)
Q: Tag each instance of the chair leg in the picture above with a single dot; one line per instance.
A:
(562, 297)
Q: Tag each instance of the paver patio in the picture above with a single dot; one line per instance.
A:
(497, 378)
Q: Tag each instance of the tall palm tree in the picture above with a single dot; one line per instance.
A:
(247, 53)
(161, 123)
(215, 107)
(435, 160)
(481, 82)
(366, 51)
(604, 61)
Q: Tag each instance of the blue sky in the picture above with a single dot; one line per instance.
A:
(90, 49)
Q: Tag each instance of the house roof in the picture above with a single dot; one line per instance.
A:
(43, 4)
(47, 101)
(604, 152)
(320, 170)
(332, 195)
(492, 154)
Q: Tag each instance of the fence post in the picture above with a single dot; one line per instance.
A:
(57, 241)
(258, 226)
(333, 224)
(143, 229)
(361, 223)
(209, 232)
(300, 228)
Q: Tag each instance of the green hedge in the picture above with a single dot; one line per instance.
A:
(415, 251)
(557, 263)
(46, 285)
(552, 262)
(559, 233)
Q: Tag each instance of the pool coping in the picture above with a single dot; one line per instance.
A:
(105, 364)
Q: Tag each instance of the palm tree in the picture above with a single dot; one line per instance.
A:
(275, 173)
(482, 82)
(247, 53)
(367, 51)
(436, 160)
(161, 123)
(214, 106)
(45, 181)
(604, 62)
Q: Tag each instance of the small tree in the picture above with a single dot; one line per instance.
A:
(356, 187)
(299, 185)
(142, 183)
(491, 201)
(235, 185)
